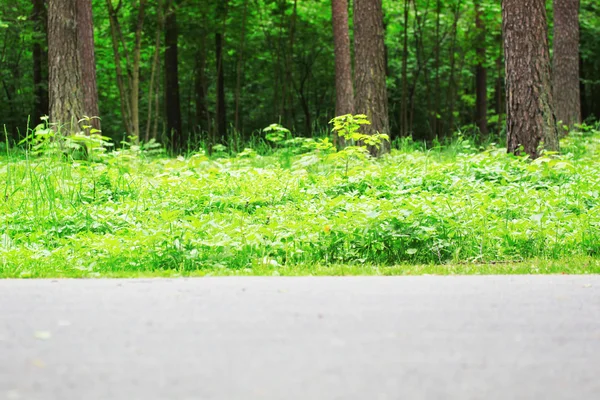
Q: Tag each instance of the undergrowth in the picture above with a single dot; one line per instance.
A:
(135, 211)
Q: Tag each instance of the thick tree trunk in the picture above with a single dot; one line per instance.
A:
(40, 61)
(530, 108)
(566, 62)
(172, 98)
(344, 103)
(371, 94)
(480, 74)
(65, 90)
(85, 29)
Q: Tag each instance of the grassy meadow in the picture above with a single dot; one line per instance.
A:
(297, 208)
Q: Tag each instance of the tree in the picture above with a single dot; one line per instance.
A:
(480, 73)
(65, 89)
(221, 113)
(344, 103)
(40, 61)
(530, 111)
(566, 62)
(172, 102)
(85, 43)
(128, 82)
(371, 93)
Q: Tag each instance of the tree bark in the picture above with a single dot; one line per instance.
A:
(404, 130)
(160, 22)
(221, 110)
(40, 61)
(480, 74)
(530, 107)
(371, 92)
(65, 89)
(566, 62)
(172, 98)
(240, 69)
(344, 103)
(202, 114)
(85, 29)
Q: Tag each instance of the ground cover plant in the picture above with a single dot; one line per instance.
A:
(297, 207)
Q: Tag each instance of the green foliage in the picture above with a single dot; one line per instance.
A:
(48, 140)
(276, 133)
(130, 212)
(348, 128)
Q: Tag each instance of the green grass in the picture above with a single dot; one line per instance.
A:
(449, 210)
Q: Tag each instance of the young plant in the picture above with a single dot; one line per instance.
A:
(348, 127)
(276, 133)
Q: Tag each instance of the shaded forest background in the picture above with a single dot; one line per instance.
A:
(277, 65)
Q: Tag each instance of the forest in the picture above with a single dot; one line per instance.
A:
(194, 137)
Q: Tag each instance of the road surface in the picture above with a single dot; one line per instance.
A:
(301, 338)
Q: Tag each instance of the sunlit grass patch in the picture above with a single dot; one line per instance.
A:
(456, 209)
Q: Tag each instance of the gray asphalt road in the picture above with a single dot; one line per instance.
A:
(302, 338)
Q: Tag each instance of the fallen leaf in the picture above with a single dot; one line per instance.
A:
(43, 335)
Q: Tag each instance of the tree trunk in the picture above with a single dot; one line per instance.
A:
(480, 74)
(202, 114)
(221, 111)
(160, 22)
(435, 113)
(122, 81)
(344, 103)
(566, 62)
(65, 89)
(40, 61)
(240, 69)
(404, 130)
(371, 93)
(530, 109)
(135, 80)
(172, 100)
(85, 29)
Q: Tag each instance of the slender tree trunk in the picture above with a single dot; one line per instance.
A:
(371, 92)
(344, 103)
(135, 80)
(500, 89)
(586, 110)
(404, 130)
(155, 66)
(202, 114)
(480, 74)
(122, 80)
(172, 98)
(435, 114)
(289, 69)
(240, 69)
(566, 62)
(452, 84)
(221, 110)
(85, 30)
(65, 91)
(40, 61)
(530, 107)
